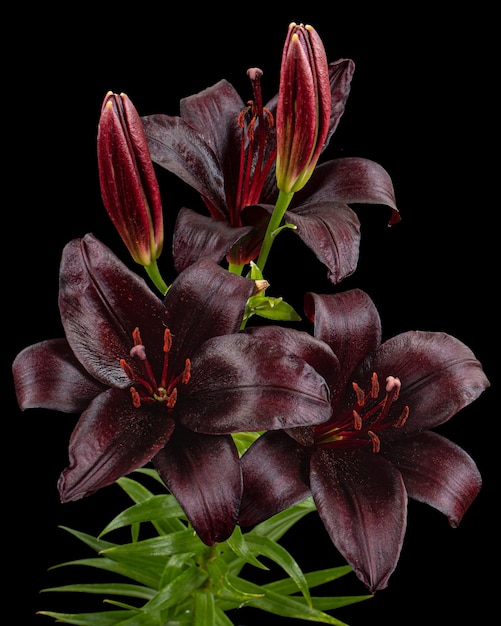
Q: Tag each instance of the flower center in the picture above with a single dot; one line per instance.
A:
(372, 413)
(258, 149)
(148, 390)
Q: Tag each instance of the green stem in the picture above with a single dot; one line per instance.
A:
(281, 205)
(235, 269)
(154, 274)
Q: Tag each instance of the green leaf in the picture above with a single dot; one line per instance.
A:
(149, 576)
(244, 440)
(240, 547)
(177, 590)
(275, 527)
(278, 604)
(103, 618)
(173, 543)
(205, 608)
(139, 493)
(282, 557)
(96, 544)
(154, 508)
(121, 589)
(313, 579)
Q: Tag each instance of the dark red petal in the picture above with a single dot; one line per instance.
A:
(111, 439)
(203, 472)
(362, 502)
(275, 471)
(48, 376)
(101, 302)
(439, 374)
(197, 236)
(239, 383)
(349, 323)
(314, 351)
(204, 301)
(351, 180)
(340, 76)
(437, 472)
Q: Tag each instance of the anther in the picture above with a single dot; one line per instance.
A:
(376, 442)
(360, 394)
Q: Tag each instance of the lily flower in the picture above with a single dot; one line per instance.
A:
(163, 380)
(378, 449)
(226, 151)
(129, 187)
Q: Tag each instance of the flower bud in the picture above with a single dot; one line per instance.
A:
(129, 186)
(303, 108)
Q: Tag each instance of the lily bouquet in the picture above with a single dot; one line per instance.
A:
(223, 420)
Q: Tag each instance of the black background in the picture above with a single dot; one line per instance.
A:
(421, 104)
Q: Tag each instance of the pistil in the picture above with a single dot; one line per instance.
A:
(254, 164)
(150, 391)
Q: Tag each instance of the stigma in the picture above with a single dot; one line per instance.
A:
(147, 388)
(370, 411)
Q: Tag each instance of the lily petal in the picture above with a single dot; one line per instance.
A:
(349, 323)
(110, 440)
(314, 351)
(203, 292)
(362, 502)
(437, 472)
(201, 144)
(238, 383)
(283, 483)
(440, 375)
(352, 180)
(47, 375)
(203, 472)
(98, 295)
(194, 232)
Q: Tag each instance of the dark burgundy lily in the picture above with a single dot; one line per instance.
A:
(226, 151)
(164, 380)
(378, 449)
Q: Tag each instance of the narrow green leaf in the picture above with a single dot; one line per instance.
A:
(149, 577)
(96, 544)
(122, 589)
(275, 527)
(154, 508)
(313, 579)
(205, 609)
(283, 558)
(173, 543)
(286, 606)
(326, 603)
(177, 590)
(240, 547)
(103, 618)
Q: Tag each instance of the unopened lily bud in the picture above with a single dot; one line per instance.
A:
(129, 186)
(303, 108)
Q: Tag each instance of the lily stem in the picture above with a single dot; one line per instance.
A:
(281, 205)
(154, 274)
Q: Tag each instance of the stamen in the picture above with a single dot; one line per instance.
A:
(136, 398)
(374, 385)
(187, 372)
(400, 421)
(376, 442)
(357, 420)
(360, 394)
(171, 400)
